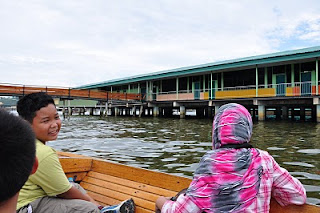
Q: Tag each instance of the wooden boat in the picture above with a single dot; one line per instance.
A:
(109, 183)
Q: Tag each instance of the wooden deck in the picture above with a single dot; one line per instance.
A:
(67, 93)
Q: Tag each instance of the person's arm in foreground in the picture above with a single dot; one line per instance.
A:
(287, 189)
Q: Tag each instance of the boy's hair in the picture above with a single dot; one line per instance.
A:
(31, 103)
(17, 153)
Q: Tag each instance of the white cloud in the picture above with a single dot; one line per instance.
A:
(70, 43)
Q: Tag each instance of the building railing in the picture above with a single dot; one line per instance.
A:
(308, 88)
(63, 92)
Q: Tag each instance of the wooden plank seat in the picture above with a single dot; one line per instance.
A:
(109, 183)
(110, 190)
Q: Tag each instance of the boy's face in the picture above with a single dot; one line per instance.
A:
(46, 124)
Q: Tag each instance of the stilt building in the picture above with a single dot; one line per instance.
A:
(282, 85)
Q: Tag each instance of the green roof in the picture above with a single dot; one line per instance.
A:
(290, 55)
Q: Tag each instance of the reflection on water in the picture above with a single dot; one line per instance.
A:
(176, 145)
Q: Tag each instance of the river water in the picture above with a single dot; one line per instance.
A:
(176, 145)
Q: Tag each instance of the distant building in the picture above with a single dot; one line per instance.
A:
(284, 84)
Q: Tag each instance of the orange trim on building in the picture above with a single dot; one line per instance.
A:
(246, 93)
(266, 92)
(204, 95)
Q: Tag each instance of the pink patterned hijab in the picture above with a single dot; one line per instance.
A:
(228, 177)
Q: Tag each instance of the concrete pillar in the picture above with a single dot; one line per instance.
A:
(141, 111)
(285, 113)
(106, 112)
(112, 111)
(182, 111)
(261, 113)
(302, 113)
(69, 108)
(160, 112)
(63, 109)
(134, 111)
(155, 111)
(101, 111)
(116, 111)
(316, 109)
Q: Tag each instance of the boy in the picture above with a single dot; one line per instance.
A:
(17, 158)
(49, 190)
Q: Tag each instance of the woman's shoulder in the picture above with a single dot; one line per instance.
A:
(264, 153)
(266, 159)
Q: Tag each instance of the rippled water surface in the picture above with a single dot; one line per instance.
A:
(176, 145)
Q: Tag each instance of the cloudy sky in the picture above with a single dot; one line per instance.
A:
(75, 42)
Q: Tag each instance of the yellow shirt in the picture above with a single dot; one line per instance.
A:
(49, 179)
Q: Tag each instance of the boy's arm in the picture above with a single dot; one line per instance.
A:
(51, 178)
(74, 193)
(287, 189)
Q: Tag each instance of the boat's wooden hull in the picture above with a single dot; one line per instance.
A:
(109, 183)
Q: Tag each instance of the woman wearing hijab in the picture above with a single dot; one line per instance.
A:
(234, 176)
